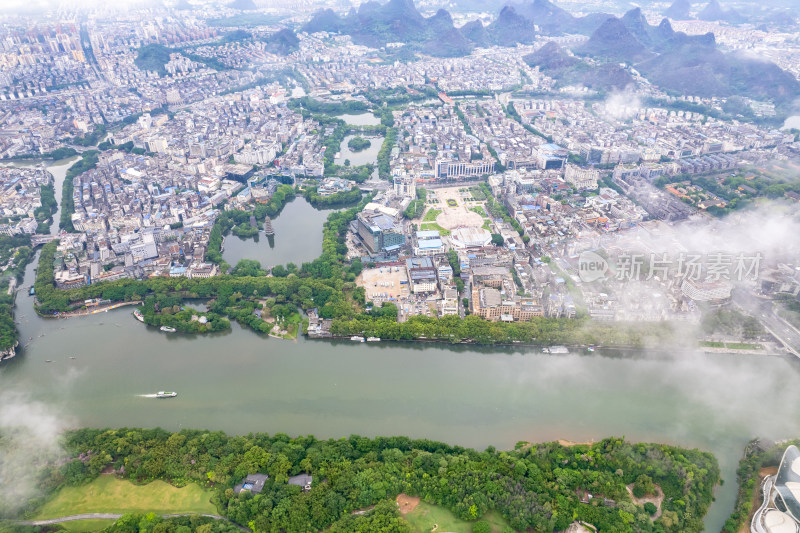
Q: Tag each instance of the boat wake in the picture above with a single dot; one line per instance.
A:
(147, 395)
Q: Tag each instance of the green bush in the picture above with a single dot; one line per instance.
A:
(482, 527)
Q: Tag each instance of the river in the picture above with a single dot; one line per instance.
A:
(59, 171)
(241, 382)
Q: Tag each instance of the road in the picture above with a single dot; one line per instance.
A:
(764, 311)
(756, 525)
(113, 516)
(96, 310)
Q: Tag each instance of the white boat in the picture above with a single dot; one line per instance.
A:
(558, 350)
(373, 339)
(167, 329)
(138, 315)
(356, 338)
(162, 394)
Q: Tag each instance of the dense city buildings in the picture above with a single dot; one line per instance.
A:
(493, 172)
(260, 186)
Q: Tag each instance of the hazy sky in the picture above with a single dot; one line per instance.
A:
(38, 6)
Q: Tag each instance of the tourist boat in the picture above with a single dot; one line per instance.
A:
(138, 315)
(162, 394)
(590, 349)
(558, 350)
(168, 329)
(356, 338)
(373, 339)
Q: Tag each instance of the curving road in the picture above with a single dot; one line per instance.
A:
(114, 516)
(764, 311)
(766, 489)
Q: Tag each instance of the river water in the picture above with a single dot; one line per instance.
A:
(59, 171)
(241, 382)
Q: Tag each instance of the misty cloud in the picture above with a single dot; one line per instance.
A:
(771, 229)
(29, 439)
(622, 105)
(38, 7)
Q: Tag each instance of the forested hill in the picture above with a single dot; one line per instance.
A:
(534, 488)
(687, 64)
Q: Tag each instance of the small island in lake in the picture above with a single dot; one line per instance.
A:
(358, 144)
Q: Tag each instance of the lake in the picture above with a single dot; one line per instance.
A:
(241, 382)
(298, 238)
(368, 155)
(362, 119)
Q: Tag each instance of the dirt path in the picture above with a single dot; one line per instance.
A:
(92, 311)
(654, 499)
(112, 516)
(407, 503)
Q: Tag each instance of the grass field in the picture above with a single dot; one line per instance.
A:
(731, 345)
(426, 516)
(85, 526)
(477, 194)
(712, 344)
(431, 226)
(478, 209)
(107, 494)
(431, 215)
(743, 346)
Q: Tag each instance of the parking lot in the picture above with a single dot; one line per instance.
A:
(382, 284)
(415, 304)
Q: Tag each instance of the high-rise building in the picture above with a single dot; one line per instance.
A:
(380, 233)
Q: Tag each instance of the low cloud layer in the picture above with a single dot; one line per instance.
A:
(622, 105)
(29, 439)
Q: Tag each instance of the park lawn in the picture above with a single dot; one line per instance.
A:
(107, 494)
(478, 209)
(477, 193)
(712, 344)
(743, 346)
(85, 526)
(433, 226)
(431, 215)
(426, 516)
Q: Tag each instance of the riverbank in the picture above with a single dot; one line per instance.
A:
(522, 495)
(573, 349)
(9, 353)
